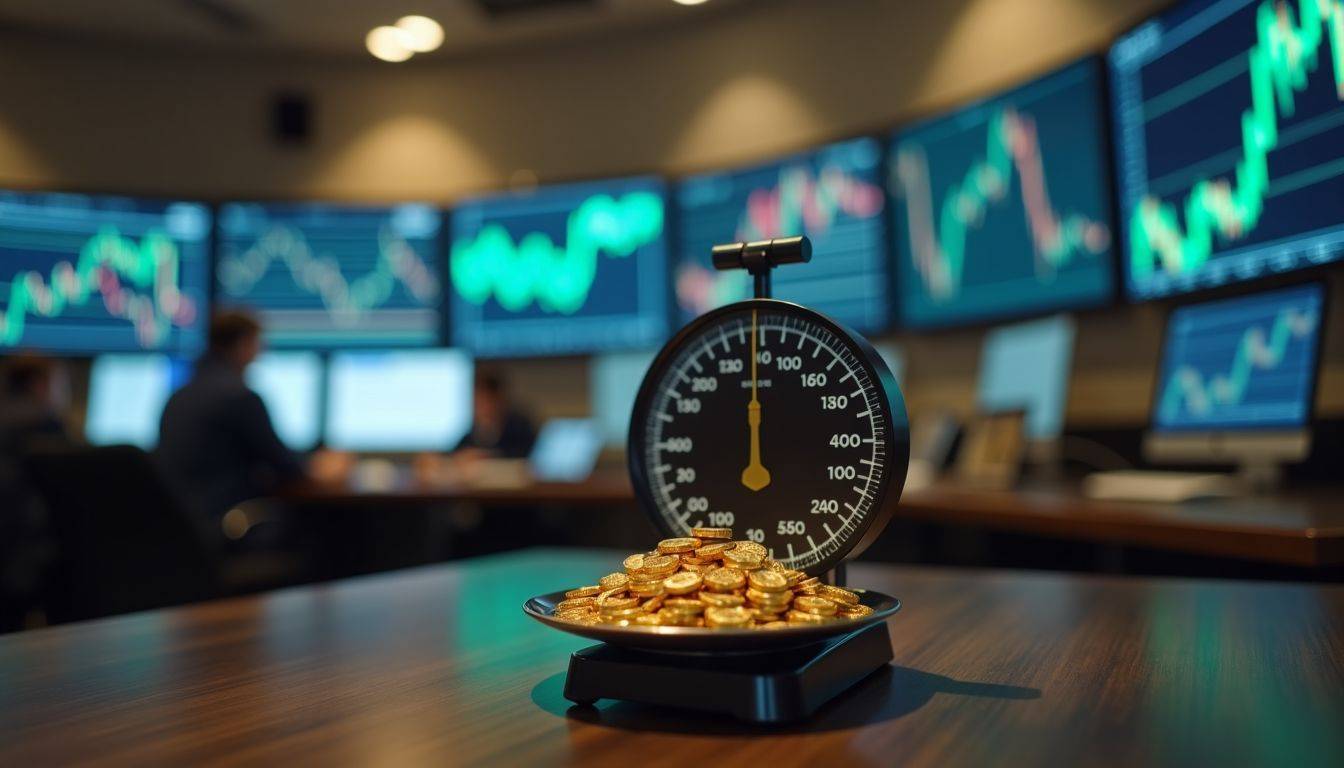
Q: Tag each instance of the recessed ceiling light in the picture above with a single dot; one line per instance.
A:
(690, 2)
(423, 34)
(389, 44)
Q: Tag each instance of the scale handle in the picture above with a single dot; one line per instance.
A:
(760, 256)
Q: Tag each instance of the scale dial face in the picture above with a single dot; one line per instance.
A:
(804, 451)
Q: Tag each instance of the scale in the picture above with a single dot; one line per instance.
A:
(777, 421)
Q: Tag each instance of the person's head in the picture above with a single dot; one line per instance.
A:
(36, 379)
(235, 338)
(489, 398)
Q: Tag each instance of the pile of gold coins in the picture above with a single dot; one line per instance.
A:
(708, 580)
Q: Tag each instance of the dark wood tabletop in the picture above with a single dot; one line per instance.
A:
(1300, 529)
(440, 666)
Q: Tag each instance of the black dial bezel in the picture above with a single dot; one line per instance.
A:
(889, 394)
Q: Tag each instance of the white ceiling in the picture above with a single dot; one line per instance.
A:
(327, 27)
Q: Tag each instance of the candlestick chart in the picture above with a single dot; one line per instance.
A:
(833, 195)
(1242, 362)
(83, 274)
(561, 269)
(326, 276)
(1003, 205)
(1258, 187)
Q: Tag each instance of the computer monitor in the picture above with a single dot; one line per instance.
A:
(613, 383)
(833, 195)
(1228, 128)
(331, 276)
(1026, 366)
(563, 269)
(566, 451)
(1003, 207)
(398, 400)
(1238, 379)
(87, 274)
(290, 383)
(126, 397)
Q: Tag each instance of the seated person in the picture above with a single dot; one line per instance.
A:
(217, 445)
(498, 429)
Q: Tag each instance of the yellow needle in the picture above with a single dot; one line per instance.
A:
(754, 476)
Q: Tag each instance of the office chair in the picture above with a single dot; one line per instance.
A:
(126, 543)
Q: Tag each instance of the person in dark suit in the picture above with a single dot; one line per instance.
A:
(498, 428)
(217, 446)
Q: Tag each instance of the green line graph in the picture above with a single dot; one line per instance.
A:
(1287, 51)
(1189, 388)
(556, 277)
(138, 282)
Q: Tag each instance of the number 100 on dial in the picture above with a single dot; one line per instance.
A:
(773, 420)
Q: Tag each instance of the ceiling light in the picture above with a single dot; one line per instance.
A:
(690, 2)
(422, 33)
(389, 44)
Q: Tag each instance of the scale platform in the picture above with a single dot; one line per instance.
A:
(774, 686)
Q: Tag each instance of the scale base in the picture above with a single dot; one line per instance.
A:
(775, 687)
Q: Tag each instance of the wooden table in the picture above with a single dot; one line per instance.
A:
(439, 666)
(1304, 529)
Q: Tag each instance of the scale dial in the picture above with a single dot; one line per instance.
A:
(773, 420)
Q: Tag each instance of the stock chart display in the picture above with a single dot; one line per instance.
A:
(1004, 206)
(833, 195)
(1229, 123)
(1241, 363)
(325, 276)
(85, 274)
(563, 269)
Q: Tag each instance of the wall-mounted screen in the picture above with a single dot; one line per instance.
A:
(833, 195)
(563, 269)
(89, 274)
(1003, 207)
(325, 276)
(126, 397)
(290, 384)
(1229, 128)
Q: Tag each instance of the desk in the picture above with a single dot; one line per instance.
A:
(1304, 530)
(439, 666)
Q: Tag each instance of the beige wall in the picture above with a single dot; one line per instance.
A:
(769, 77)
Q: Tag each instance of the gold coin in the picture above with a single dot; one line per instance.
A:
(712, 533)
(717, 600)
(682, 583)
(633, 564)
(692, 559)
(794, 577)
(768, 581)
(724, 580)
(760, 614)
(646, 588)
(664, 565)
(677, 546)
(727, 617)
(648, 620)
(753, 547)
(811, 584)
(818, 605)
(803, 617)
(587, 618)
(714, 551)
(611, 599)
(653, 603)
(854, 611)
(614, 581)
(837, 594)
(683, 605)
(697, 568)
(577, 602)
(775, 625)
(743, 559)
(573, 614)
(669, 618)
(620, 613)
(583, 592)
(758, 597)
(774, 565)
